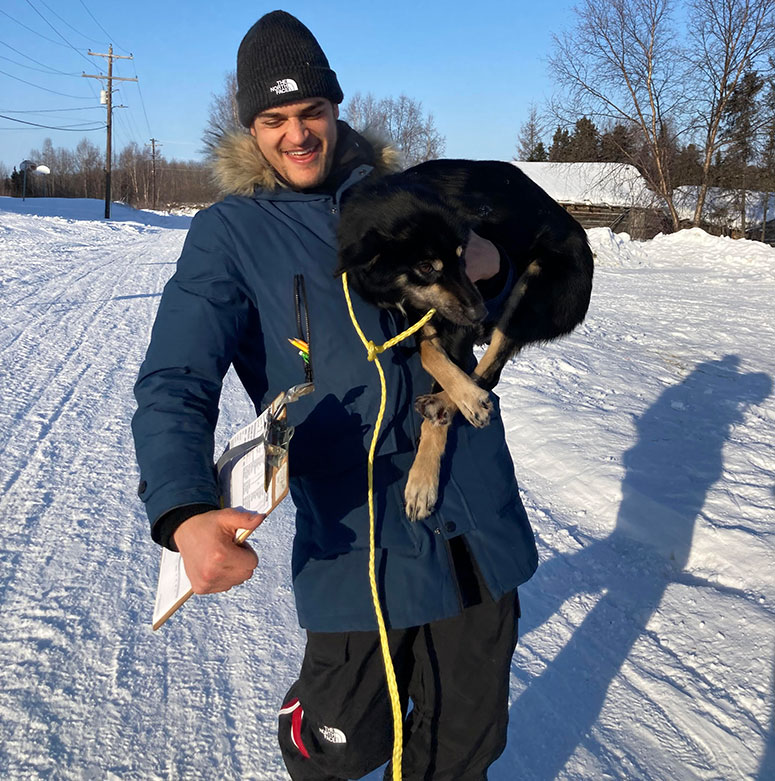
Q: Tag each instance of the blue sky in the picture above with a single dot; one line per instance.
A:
(476, 66)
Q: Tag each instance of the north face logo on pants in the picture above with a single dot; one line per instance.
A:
(332, 734)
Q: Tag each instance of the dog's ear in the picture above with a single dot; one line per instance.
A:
(360, 253)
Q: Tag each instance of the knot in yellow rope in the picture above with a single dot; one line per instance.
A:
(372, 351)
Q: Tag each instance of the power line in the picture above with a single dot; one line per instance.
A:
(31, 59)
(51, 127)
(137, 80)
(31, 29)
(48, 110)
(93, 90)
(64, 21)
(125, 131)
(110, 37)
(142, 102)
(29, 3)
(46, 89)
(39, 70)
(132, 128)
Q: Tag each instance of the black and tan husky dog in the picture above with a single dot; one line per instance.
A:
(402, 241)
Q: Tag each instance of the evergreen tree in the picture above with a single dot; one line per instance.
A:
(17, 182)
(768, 151)
(539, 154)
(740, 127)
(530, 147)
(618, 145)
(584, 146)
(559, 150)
(687, 167)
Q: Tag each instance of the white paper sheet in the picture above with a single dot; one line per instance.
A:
(242, 484)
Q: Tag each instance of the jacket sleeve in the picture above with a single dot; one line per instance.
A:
(203, 311)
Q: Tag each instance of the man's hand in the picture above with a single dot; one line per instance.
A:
(212, 559)
(482, 258)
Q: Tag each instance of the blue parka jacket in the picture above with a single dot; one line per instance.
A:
(233, 300)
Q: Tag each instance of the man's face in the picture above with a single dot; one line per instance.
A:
(298, 140)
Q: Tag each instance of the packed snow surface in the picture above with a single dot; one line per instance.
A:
(644, 444)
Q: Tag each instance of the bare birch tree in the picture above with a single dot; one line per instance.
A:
(402, 121)
(729, 37)
(224, 114)
(620, 63)
(768, 148)
(364, 111)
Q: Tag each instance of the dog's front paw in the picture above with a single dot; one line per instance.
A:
(433, 408)
(476, 406)
(421, 494)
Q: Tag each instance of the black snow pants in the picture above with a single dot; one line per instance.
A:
(336, 720)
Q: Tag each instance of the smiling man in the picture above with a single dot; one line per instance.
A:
(298, 140)
(257, 269)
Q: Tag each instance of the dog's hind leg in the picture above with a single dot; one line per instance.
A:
(422, 485)
(488, 371)
(503, 345)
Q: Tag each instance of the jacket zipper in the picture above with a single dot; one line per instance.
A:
(302, 320)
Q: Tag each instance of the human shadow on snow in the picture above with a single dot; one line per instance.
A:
(676, 459)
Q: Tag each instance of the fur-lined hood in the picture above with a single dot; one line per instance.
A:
(239, 167)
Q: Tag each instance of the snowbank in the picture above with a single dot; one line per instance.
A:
(697, 246)
(615, 249)
(90, 209)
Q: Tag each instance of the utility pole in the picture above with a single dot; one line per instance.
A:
(109, 101)
(153, 170)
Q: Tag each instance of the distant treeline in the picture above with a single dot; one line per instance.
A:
(682, 89)
(585, 143)
(137, 179)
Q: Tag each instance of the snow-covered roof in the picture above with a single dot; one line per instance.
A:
(608, 184)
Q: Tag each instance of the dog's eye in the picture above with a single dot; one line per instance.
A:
(425, 267)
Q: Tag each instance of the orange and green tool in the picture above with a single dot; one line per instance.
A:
(302, 347)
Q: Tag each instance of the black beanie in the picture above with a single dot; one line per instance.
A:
(279, 61)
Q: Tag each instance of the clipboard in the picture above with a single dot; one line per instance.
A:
(252, 475)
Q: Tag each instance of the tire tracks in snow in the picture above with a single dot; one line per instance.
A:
(65, 448)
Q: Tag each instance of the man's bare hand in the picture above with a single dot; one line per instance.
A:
(483, 260)
(212, 559)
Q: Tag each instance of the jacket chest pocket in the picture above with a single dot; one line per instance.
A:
(336, 423)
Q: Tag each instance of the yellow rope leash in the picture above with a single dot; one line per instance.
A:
(373, 351)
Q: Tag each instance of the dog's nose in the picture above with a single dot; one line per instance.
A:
(476, 312)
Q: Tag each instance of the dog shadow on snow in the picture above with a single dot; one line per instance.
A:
(676, 459)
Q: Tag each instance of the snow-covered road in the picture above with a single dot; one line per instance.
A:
(645, 448)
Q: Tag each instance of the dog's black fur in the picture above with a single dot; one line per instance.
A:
(402, 239)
